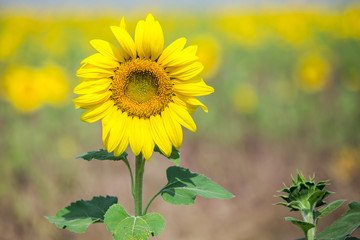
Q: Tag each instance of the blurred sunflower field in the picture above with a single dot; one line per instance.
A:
(287, 94)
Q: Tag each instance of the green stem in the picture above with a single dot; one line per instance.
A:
(148, 205)
(131, 176)
(139, 174)
(308, 217)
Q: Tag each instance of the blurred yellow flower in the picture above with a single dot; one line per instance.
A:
(54, 39)
(13, 33)
(346, 165)
(22, 89)
(245, 98)
(350, 21)
(292, 26)
(244, 29)
(209, 53)
(28, 89)
(313, 72)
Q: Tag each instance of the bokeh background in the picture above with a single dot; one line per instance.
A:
(287, 91)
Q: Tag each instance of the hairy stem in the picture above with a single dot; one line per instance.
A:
(139, 174)
(308, 217)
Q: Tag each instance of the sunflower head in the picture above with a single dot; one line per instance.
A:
(141, 92)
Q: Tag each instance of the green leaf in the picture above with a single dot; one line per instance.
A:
(79, 215)
(330, 208)
(126, 227)
(184, 186)
(345, 225)
(102, 154)
(174, 156)
(156, 223)
(305, 226)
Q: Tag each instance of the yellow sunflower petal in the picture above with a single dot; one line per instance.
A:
(88, 100)
(148, 146)
(182, 60)
(190, 103)
(125, 41)
(136, 137)
(101, 61)
(93, 86)
(147, 35)
(172, 128)
(186, 72)
(153, 38)
(117, 128)
(124, 138)
(182, 116)
(107, 49)
(196, 87)
(157, 44)
(159, 135)
(93, 72)
(171, 51)
(139, 34)
(191, 49)
(185, 57)
(107, 124)
(122, 23)
(97, 112)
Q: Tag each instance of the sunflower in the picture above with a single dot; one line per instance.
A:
(142, 93)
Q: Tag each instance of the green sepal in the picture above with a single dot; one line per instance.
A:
(79, 215)
(305, 226)
(126, 227)
(345, 225)
(184, 186)
(103, 154)
(281, 204)
(174, 156)
(315, 198)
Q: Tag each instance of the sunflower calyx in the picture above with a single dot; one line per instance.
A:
(304, 195)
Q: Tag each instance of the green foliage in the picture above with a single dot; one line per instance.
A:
(305, 226)
(102, 154)
(174, 156)
(184, 186)
(79, 215)
(322, 212)
(345, 225)
(126, 227)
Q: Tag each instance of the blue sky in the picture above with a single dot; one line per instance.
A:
(161, 4)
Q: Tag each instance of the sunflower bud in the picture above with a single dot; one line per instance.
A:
(304, 195)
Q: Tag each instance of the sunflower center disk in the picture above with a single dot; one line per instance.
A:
(141, 88)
